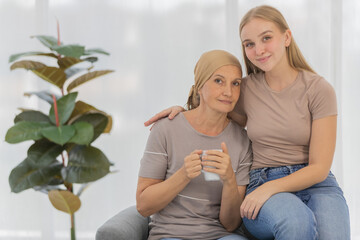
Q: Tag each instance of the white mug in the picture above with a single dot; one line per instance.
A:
(209, 176)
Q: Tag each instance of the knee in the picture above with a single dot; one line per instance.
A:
(297, 225)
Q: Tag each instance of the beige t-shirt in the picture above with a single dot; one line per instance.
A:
(279, 123)
(194, 212)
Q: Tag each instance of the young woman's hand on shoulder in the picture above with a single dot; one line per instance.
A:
(170, 112)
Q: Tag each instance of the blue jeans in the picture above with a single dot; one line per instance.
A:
(318, 212)
(228, 237)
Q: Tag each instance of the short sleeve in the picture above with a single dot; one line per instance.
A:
(154, 162)
(243, 170)
(322, 99)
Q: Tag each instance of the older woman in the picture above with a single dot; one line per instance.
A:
(172, 185)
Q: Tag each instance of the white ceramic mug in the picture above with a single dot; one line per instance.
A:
(209, 176)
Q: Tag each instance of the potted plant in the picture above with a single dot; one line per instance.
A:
(62, 153)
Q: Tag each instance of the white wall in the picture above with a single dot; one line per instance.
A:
(154, 45)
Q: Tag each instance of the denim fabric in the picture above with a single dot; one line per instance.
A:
(318, 212)
(228, 237)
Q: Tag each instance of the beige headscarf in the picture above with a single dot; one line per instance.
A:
(208, 63)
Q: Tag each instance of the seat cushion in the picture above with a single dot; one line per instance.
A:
(127, 224)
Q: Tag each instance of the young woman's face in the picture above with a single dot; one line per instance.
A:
(221, 92)
(264, 44)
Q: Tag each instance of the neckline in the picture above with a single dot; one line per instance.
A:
(202, 134)
(284, 89)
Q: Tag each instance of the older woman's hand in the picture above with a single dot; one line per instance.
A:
(192, 164)
(221, 161)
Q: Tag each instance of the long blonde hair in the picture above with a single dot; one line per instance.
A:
(268, 13)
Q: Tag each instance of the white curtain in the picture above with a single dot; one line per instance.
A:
(154, 45)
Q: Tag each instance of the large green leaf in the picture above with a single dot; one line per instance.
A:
(27, 64)
(44, 95)
(71, 50)
(64, 201)
(65, 106)
(48, 41)
(59, 135)
(25, 176)
(25, 54)
(84, 133)
(86, 77)
(94, 51)
(98, 120)
(24, 130)
(31, 116)
(66, 62)
(43, 153)
(86, 164)
(52, 75)
(82, 108)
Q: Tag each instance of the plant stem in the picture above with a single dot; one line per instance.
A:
(72, 230)
(56, 111)
(58, 32)
(73, 237)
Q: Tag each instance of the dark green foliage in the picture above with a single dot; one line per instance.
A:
(61, 153)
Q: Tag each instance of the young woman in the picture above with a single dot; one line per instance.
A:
(172, 186)
(291, 114)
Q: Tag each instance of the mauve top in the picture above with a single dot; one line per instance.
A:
(194, 212)
(279, 123)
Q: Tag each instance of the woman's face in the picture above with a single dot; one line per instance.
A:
(221, 92)
(264, 44)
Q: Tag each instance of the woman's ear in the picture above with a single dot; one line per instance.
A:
(287, 37)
